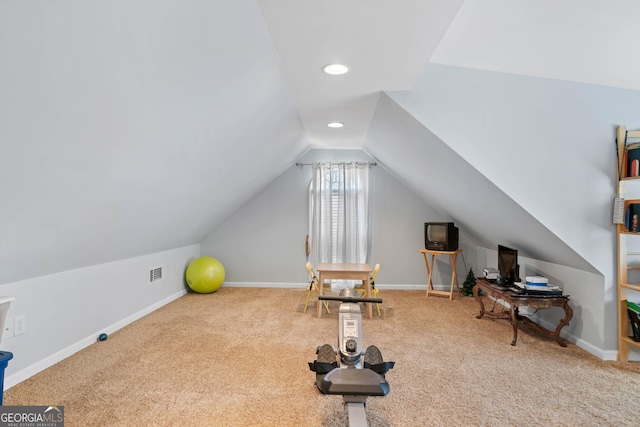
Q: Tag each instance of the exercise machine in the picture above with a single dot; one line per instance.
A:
(348, 370)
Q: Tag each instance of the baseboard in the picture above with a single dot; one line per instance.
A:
(47, 362)
(265, 285)
(402, 287)
(579, 342)
(399, 287)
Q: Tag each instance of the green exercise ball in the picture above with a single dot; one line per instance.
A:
(205, 275)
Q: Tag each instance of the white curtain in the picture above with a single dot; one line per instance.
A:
(339, 213)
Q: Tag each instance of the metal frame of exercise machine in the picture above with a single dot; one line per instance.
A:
(356, 373)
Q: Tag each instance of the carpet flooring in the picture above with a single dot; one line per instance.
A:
(238, 357)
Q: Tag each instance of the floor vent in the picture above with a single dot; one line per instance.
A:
(155, 275)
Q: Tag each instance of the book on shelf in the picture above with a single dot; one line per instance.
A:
(633, 306)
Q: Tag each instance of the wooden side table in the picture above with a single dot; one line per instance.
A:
(514, 300)
(453, 257)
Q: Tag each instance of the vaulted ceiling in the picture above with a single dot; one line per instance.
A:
(387, 45)
(142, 125)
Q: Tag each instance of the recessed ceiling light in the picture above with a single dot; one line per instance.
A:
(335, 125)
(336, 69)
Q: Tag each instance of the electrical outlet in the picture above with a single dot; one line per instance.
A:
(19, 323)
(8, 328)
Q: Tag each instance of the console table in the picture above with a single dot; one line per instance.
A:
(515, 300)
(453, 257)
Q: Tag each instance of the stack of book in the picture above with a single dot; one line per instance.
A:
(634, 311)
(536, 281)
(540, 283)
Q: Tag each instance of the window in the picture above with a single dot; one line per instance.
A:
(339, 212)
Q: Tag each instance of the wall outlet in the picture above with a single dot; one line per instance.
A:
(8, 328)
(19, 324)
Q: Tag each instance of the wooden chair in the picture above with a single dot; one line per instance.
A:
(374, 291)
(313, 286)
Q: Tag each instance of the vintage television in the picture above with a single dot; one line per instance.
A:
(440, 236)
(508, 265)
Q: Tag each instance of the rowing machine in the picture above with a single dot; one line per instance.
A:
(355, 374)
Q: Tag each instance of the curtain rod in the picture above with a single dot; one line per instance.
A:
(340, 163)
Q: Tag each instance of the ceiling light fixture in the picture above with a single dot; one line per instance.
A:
(336, 69)
(335, 125)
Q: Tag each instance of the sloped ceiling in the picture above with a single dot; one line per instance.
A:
(581, 41)
(485, 213)
(132, 127)
(385, 43)
(129, 128)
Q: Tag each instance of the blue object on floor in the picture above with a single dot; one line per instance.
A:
(5, 356)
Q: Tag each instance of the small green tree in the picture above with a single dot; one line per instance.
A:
(469, 283)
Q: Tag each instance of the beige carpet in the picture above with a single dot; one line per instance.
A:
(238, 357)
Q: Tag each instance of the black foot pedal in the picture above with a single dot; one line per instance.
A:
(373, 360)
(326, 354)
(325, 363)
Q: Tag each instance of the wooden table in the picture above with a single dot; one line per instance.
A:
(345, 271)
(516, 300)
(453, 257)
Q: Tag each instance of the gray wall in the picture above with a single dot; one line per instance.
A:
(122, 134)
(66, 311)
(549, 146)
(488, 217)
(263, 242)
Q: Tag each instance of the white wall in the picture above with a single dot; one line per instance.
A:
(123, 133)
(262, 244)
(397, 228)
(66, 312)
(512, 127)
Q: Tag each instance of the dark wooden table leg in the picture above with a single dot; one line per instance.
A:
(513, 317)
(476, 295)
(567, 318)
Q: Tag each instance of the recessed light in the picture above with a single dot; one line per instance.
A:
(335, 125)
(336, 69)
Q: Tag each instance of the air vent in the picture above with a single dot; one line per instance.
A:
(155, 275)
